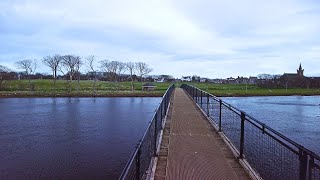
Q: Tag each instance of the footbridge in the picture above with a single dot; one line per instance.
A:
(195, 135)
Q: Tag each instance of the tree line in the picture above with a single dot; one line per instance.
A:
(69, 67)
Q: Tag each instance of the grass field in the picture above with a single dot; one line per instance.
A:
(252, 90)
(46, 88)
(16, 88)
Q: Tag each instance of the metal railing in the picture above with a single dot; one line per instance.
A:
(146, 149)
(269, 153)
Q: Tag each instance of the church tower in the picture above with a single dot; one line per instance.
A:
(300, 71)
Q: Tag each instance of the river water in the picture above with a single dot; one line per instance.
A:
(297, 117)
(70, 138)
(93, 138)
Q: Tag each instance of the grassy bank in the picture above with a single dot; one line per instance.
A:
(45, 88)
(252, 90)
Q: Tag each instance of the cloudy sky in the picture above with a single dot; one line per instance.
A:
(210, 38)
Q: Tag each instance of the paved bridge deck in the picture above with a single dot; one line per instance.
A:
(191, 148)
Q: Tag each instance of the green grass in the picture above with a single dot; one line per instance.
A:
(252, 90)
(46, 88)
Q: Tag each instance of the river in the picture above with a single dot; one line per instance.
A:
(297, 117)
(70, 138)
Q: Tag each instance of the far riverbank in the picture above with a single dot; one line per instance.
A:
(81, 94)
(46, 88)
(267, 94)
(251, 90)
(8, 94)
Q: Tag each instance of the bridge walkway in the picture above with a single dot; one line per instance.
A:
(191, 148)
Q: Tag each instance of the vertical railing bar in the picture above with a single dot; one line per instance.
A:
(193, 93)
(303, 158)
(208, 101)
(155, 134)
(243, 118)
(311, 166)
(165, 105)
(197, 96)
(220, 114)
(161, 111)
(201, 98)
(138, 164)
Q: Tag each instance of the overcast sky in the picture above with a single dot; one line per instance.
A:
(210, 38)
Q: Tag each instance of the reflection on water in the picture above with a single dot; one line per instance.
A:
(297, 117)
(70, 138)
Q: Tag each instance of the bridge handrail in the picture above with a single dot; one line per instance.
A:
(308, 167)
(136, 166)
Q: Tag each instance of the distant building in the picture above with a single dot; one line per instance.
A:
(203, 80)
(242, 80)
(314, 82)
(295, 79)
(253, 80)
(231, 80)
(299, 72)
(161, 80)
(195, 78)
(186, 78)
(215, 81)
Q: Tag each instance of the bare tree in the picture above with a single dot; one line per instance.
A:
(120, 70)
(77, 68)
(53, 62)
(3, 75)
(111, 68)
(72, 65)
(90, 64)
(29, 66)
(142, 69)
(105, 67)
(113, 65)
(130, 66)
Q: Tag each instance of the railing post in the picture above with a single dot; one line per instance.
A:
(193, 93)
(220, 114)
(165, 105)
(201, 99)
(161, 111)
(311, 166)
(155, 134)
(303, 158)
(208, 101)
(243, 118)
(163, 108)
(197, 96)
(138, 164)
